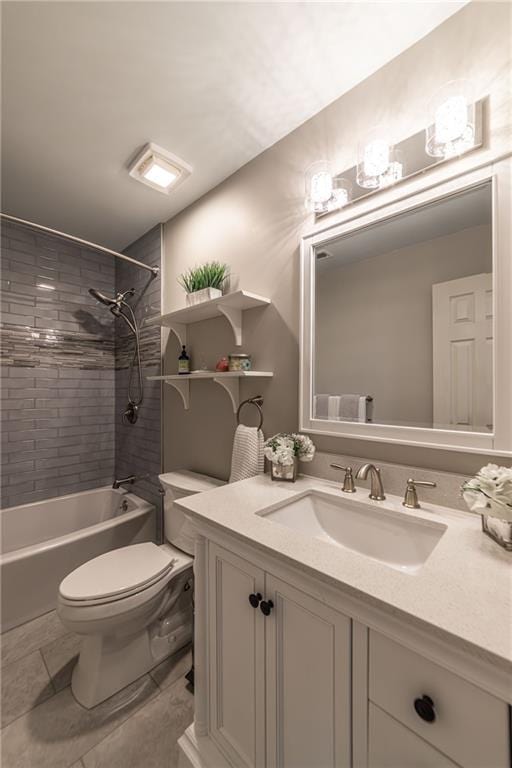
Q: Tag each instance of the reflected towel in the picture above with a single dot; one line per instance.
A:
(349, 407)
(247, 459)
(321, 406)
(333, 407)
(343, 407)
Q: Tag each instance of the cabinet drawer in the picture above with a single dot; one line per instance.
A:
(469, 725)
(392, 745)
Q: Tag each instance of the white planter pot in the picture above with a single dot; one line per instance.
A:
(206, 294)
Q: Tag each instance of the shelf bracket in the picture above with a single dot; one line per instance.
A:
(234, 317)
(180, 331)
(183, 387)
(232, 387)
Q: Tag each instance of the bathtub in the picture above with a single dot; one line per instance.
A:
(43, 541)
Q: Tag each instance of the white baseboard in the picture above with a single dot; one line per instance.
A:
(199, 752)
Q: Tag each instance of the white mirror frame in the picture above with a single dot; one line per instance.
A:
(500, 441)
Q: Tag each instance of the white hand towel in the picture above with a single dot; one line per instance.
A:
(248, 459)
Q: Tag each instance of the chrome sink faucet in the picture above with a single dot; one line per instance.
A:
(376, 489)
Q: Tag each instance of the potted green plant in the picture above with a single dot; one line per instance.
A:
(205, 282)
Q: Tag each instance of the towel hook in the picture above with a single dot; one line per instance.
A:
(257, 402)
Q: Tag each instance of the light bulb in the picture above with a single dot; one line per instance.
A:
(318, 187)
(451, 119)
(321, 187)
(376, 158)
(451, 127)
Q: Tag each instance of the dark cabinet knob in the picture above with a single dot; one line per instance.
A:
(266, 606)
(425, 708)
(254, 599)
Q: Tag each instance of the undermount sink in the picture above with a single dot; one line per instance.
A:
(398, 540)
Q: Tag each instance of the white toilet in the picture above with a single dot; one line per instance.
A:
(133, 605)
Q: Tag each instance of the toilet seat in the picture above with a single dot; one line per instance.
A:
(122, 573)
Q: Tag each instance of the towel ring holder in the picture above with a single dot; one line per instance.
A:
(257, 402)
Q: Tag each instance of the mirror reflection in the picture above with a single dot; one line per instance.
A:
(403, 319)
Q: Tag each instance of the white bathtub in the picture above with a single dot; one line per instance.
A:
(45, 540)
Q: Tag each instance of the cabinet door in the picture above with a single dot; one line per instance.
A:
(237, 663)
(308, 681)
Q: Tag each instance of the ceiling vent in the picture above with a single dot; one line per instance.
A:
(159, 169)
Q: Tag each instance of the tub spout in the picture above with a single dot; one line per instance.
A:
(118, 483)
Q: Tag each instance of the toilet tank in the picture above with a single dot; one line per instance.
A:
(178, 484)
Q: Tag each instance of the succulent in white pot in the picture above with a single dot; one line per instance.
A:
(205, 282)
(489, 494)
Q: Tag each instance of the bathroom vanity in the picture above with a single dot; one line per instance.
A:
(318, 646)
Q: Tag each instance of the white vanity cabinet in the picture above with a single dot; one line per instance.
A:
(461, 721)
(304, 676)
(279, 680)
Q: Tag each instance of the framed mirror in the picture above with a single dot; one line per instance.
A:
(407, 320)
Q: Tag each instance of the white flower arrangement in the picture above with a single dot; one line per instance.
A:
(490, 492)
(284, 448)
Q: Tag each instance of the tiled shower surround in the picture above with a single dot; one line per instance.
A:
(58, 367)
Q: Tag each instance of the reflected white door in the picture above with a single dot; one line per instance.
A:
(462, 353)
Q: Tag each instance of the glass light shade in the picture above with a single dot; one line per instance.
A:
(374, 156)
(451, 121)
(341, 193)
(319, 187)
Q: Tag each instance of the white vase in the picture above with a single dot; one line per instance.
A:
(206, 294)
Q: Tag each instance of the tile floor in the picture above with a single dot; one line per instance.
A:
(42, 724)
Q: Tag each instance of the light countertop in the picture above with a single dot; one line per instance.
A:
(463, 590)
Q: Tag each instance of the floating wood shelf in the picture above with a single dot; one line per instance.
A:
(229, 380)
(231, 306)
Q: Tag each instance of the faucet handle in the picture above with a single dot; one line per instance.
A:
(348, 482)
(411, 497)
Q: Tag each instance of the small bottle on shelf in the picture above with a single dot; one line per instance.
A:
(183, 361)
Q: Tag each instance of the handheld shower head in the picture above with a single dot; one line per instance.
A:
(102, 298)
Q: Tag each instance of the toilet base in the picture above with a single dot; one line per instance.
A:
(109, 663)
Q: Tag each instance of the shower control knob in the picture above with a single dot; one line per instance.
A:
(425, 708)
(266, 606)
(255, 599)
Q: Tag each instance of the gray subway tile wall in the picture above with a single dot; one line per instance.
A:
(138, 446)
(64, 368)
(57, 364)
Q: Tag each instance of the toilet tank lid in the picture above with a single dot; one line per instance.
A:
(190, 482)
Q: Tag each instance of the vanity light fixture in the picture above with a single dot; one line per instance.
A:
(456, 126)
(451, 126)
(159, 169)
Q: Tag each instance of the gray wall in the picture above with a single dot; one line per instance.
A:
(255, 219)
(138, 446)
(57, 368)
(374, 322)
